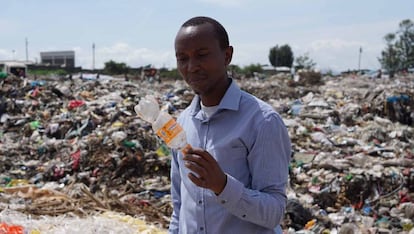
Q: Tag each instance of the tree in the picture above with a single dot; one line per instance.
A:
(389, 57)
(251, 69)
(169, 74)
(406, 43)
(114, 68)
(234, 69)
(281, 56)
(399, 51)
(304, 62)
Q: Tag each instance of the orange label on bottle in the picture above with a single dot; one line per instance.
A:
(169, 131)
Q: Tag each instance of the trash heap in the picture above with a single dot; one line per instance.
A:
(74, 149)
(353, 164)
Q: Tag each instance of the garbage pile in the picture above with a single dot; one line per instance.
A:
(353, 165)
(75, 148)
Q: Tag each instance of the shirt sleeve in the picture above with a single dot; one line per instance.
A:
(264, 202)
(175, 194)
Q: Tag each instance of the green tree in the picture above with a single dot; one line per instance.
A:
(114, 68)
(169, 74)
(389, 57)
(281, 56)
(234, 69)
(304, 62)
(405, 44)
(399, 51)
(251, 69)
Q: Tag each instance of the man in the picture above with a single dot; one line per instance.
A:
(233, 178)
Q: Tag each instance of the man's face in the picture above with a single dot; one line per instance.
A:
(200, 60)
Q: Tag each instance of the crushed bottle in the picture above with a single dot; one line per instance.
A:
(163, 124)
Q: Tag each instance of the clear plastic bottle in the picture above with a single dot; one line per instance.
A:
(163, 124)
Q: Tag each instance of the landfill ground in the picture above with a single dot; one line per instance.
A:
(74, 157)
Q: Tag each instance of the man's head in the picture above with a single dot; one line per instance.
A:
(218, 29)
(203, 53)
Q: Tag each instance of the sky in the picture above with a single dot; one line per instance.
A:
(141, 33)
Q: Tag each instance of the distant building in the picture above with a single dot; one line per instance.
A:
(58, 58)
(270, 70)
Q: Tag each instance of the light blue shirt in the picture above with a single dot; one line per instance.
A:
(251, 144)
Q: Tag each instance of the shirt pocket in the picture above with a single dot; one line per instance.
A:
(232, 157)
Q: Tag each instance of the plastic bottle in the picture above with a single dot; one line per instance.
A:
(163, 124)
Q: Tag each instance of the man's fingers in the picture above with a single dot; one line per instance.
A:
(196, 159)
(196, 180)
(204, 154)
(196, 168)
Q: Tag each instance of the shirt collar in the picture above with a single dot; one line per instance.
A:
(230, 100)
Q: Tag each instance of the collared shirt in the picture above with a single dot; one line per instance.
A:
(251, 144)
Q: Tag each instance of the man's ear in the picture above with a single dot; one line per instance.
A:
(229, 55)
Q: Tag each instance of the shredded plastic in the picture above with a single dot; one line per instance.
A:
(13, 222)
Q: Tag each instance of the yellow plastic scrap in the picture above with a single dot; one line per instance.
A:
(126, 101)
(139, 224)
(17, 182)
(163, 151)
(117, 124)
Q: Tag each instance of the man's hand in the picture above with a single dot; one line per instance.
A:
(209, 173)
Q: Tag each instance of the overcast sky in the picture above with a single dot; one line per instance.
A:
(139, 32)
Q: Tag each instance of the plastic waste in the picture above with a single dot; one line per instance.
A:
(299, 215)
(34, 125)
(163, 150)
(75, 103)
(118, 137)
(128, 144)
(163, 124)
(35, 83)
(11, 229)
(407, 224)
(13, 222)
(349, 228)
(296, 107)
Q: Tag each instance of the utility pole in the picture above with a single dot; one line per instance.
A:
(93, 56)
(359, 60)
(27, 50)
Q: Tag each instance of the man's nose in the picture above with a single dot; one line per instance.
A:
(193, 65)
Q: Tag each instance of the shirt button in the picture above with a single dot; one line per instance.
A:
(201, 229)
(223, 201)
(244, 216)
(200, 202)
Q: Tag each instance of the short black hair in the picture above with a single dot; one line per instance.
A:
(219, 30)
